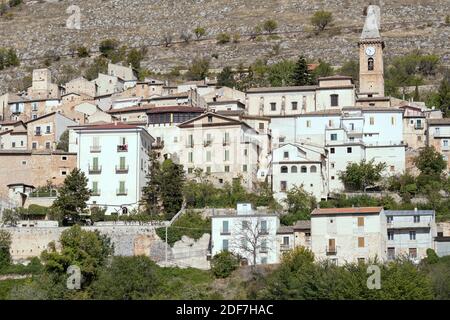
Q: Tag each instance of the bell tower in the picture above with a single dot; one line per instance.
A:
(371, 67)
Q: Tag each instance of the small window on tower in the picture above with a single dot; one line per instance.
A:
(370, 64)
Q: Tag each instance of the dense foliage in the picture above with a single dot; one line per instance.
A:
(223, 264)
(360, 176)
(5, 243)
(299, 205)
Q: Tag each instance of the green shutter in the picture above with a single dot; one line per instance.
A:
(94, 186)
(122, 186)
(122, 163)
(95, 163)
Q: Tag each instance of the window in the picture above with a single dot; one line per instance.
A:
(284, 169)
(283, 186)
(372, 121)
(121, 187)
(360, 242)
(63, 172)
(13, 144)
(332, 165)
(445, 143)
(437, 131)
(64, 158)
(210, 119)
(332, 150)
(330, 123)
(47, 129)
(333, 137)
(264, 245)
(286, 155)
(294, 105)
(334, 100)
(313, 169)
(38, 131)
(286, 241)
(308, 123)
(416, 219)
(360, 221)
(190, 170)
(208, 156)
(390, 235)
(332, 177)
(246, 152)
(349, 150)
(191, 157)
(413, 252)
(370, 64)
(294, 169)
(123, 141)
(226, 138)
(34, 145)
(273, 106)
(225, 245)
(227, 155)
(225, 226)
(393, 121)
(227, 168)
(244, 168)
(303, 169)
(94, 187)
(412, 235)
(391, 253)
(122, 163)
(47, 145)
(264, 260)
(208, 169)
(191, 140)
(21, 143)
(263, 226)
(24, 162)
(261, 126)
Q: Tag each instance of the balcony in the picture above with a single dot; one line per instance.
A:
(122, 148)
(158, 145)
(96, 193)
(38, 133)
(263, 250)
(331, 251)
(285, 247)
(122, 169)
(419, 126)
(408, 224)
(95, 169)
(225, 233)
(207, 143)
(121, 192)
(95, 149)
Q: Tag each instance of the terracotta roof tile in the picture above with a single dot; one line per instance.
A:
(353, 210)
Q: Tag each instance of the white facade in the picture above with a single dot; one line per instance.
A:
(348, 235)
(115, 159)
(107, 84)
(246, 229)
(299, 165)
(410, 233)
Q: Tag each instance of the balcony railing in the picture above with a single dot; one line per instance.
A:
(190, 144)
(96, 148)
(95, 169)
(419, 126)
(121, 192)
(285, 247)
(225, 233)
(331, 250)
(38, 133)
(96, 193)
(122, 148)
(207, 143)
(408, 224)
(158, 145)
(263, 250)
(122, 169)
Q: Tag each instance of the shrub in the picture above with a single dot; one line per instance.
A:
(223, 38)
(321, 19)
(270, 25)
(199, 32)
(223, 264)
(82, 52)
(5, 244)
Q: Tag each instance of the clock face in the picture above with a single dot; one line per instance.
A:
(370, 51)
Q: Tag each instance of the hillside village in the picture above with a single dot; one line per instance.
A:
(115, 128)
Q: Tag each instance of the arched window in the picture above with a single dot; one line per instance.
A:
(294, 169)
(303, 169)
(284, 169)
(313, 169)
(370, 64)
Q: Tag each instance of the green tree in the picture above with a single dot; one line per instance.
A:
(85, 249)
(5, 244)
(350, 68)
(171, 188)
(223, 264)
(270, 25)
(99, 65)
(281, 73)
(199, 32)
(360, 176)
(226, 78)
(73, 195)
(134, 58)
(324, 69)
(108, 47)
(152, 189)
(63, 143)
(443, 95)
(301, 75)
(321, 19)
(430, 162)
(127, 278)
(299, 205)
(199, 69)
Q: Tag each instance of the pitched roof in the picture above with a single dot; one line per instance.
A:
(285, 230)
(439, 121)
(108, 126)
(282, 89)
(344, 211)
(336, 77)
(131, 109)
(302, 225)
(187, 124)
(409, 212)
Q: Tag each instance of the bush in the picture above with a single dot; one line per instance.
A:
(82, 52)
(223, 38)
(321, 19)
(270, 25)
(98, 214)
(5, 244)
(199, 32)
(223, 264)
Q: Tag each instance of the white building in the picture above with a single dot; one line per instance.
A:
(410, 233)
(299, 165)
(107, 84)
(248, 234)
(115, 159)
(349, 234)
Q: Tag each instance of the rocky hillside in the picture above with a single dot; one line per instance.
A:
(39, 27)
